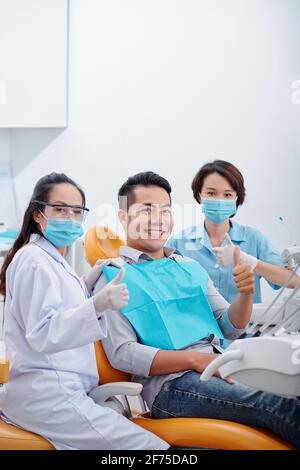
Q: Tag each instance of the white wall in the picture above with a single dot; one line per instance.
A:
(8, 213)
(4, 145)
(33, 65)
(167, 85)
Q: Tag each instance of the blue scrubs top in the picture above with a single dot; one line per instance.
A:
(195, 243)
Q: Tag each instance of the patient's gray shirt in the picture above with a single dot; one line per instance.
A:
(121, 345)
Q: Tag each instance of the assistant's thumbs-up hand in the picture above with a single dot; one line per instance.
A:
(113, 296)
(236, 256)
(243, 274)
(224, 254)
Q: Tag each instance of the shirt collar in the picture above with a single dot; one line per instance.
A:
(136, 255)
(198, 232)
(237, 232)
(45, 245)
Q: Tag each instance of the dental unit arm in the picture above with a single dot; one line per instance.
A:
(268, 363)
(270, 359)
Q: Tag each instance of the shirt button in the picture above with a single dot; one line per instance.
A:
(217, 266)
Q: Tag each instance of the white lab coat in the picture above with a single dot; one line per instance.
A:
(51, 325)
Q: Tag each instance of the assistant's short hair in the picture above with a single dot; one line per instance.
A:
(225, 169)
(146, 178)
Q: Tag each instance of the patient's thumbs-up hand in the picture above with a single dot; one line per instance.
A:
(113, 296)
(243, 274)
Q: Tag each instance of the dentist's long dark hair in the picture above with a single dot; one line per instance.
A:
(41, 193)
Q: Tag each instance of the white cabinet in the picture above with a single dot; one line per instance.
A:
(33, 63)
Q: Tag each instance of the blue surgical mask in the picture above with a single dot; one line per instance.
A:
(218, 210)
(62, 232)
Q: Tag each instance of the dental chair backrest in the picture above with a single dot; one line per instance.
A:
(107, 373)
(4, 363)
(101, 242)
(4, 371)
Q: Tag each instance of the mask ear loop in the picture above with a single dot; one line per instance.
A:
(41, 228)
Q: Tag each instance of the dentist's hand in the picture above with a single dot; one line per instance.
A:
(224, 255)
(243, 274)
(113, 296)
(92, 277)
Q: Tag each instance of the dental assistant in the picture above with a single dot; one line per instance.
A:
(51, 325)
(219, 188)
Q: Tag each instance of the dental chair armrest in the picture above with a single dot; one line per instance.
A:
(103, 392)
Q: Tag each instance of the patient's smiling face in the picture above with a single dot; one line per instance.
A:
(148, 222)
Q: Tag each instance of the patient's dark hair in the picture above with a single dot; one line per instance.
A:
(147, 178)
(41, 193)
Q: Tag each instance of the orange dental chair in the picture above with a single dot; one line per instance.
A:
(185, 432)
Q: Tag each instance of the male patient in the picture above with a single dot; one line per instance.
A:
(170, 365)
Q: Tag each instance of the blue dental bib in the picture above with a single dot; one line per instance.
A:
(168, 306)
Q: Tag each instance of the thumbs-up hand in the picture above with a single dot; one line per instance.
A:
(113, 296)
(118, 277)
(236, 256)
(243, 274)
(93, 276)
(224, 254)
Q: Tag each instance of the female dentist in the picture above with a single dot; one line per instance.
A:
(51, 324)
(219, 187)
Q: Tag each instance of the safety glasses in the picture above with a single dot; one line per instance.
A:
(64, 211)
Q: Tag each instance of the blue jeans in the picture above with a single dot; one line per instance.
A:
(186, 396)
